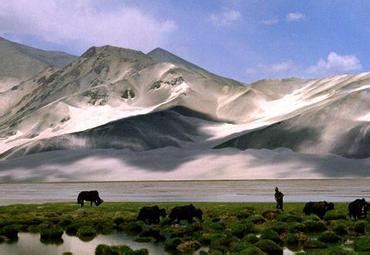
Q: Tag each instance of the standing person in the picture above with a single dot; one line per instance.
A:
(279, 199)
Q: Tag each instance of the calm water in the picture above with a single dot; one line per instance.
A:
(218, 191)
(30, 244)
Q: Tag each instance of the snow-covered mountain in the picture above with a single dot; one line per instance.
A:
(120, 114)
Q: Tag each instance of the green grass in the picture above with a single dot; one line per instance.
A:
(237, 228)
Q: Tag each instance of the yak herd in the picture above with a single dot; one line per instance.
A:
(151, 214)
(356, 209)
(148, 214)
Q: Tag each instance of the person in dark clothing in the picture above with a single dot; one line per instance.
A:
(279, 199)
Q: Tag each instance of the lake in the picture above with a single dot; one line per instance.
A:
(336, 190)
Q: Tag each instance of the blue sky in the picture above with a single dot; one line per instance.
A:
(242, 39)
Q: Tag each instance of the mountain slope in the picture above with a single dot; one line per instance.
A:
(137, 133)
(157, 112)
(107, 84)
(338, 125)
(20, 62)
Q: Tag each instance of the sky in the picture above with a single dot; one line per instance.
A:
(246, 40)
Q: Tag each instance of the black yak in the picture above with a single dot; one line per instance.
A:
(151, 214)
(92, 196)
(186, 212)
(358, 209)
(318, 208)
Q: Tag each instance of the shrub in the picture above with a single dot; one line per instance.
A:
(239, 246)
(269, 247)
(289, 218)
(340, 229)
(271, 215)
(338, 251)
(311, 217)
(171, 244)
(360, 227)
(314, 226)
(86, 233)
(51, 235)
(270, 234)
(153, 233)
(335, 215)
(256, 219)
(296, 227)
(302, 237)
(104, 228)
(65, 222)
(245, 213)
(240, 229)
(72, 229)
(103, 249)
(218, 226)
(314, 244)
(188, 246)
(292, 239)
(362, 244)
(280, 227)
(118, 221)
(329, 237)
(251, 238)
(10, 231)
(206, 238)
(252, 250)
(134, 227)
(220, 241)
(32, 221)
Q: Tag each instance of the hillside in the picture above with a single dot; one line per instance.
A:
(125, 115)
(20, 62)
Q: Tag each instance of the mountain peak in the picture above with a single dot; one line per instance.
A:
(160, 55)
(107, 50)
(159, 50)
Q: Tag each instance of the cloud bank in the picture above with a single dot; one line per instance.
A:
(336, 63)
(333, 64)
(82, 23)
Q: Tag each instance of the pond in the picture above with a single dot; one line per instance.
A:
(30, 244)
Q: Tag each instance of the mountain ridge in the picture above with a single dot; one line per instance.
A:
(117, 100)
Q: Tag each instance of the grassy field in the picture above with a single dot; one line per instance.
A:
(227, 228)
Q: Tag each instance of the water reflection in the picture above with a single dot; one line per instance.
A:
(30, 244)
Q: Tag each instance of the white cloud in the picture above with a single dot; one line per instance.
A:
(83, 23)
(294, 16)
(334, 64)
(270, 22)
(225, 18)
